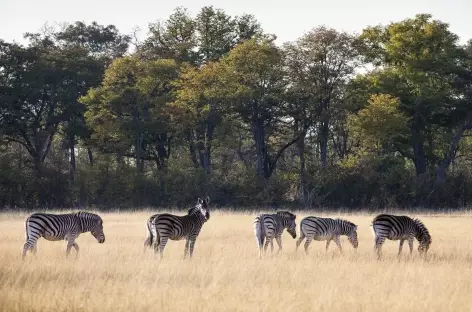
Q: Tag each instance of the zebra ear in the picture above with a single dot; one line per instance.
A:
(200, 201)
(207, 199)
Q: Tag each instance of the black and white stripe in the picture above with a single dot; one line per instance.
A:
(400, 228)
(168, 226)
(319, 229)
(270, 226)
(55, 227)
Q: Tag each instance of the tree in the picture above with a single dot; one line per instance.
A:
(320, 63)
(130, 112)
(255, 78)
(201, 99)
(34, 94)
(380, 124)
(198, 40)
(420, 63)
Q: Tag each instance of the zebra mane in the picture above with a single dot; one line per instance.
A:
(346, 222)
(286, 214)
(424, 231)
(193, 210)
(88, 215)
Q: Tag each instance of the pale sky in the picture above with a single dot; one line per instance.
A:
(287, 19)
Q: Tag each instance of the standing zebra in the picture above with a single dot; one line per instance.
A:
(270, 226)
(168, 226)
(327, 229)
(151, 230)
(400, 228)
(63, 226)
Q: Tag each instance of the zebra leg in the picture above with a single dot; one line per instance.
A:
(401, 246)
(307, 243)
(336, 240)
(31, 241)
(327, 243)
(71, 243)
(378, 245)
(410, 244)
(163, 245)
(28, 245)
(192, 245)
(187, 243)
(266, 245)
(300, 240)
(271, 246)
(278, 239)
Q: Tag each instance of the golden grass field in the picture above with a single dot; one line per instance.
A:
(226, 274)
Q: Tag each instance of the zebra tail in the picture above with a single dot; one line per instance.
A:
(149, 240)
(26, 229)
(259, 231)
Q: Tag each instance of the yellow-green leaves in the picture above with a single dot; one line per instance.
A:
(380, 122)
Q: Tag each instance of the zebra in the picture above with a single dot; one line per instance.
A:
(270, 226)
(168, 226)
(326, 229)
(55, 227)
(400, 228)
(151, 230)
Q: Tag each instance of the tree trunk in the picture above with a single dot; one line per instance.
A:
(301, 152)
(450, 155)
(324, 136)
(192, 149)
(210, 128)
(261, 148)
(72, 162)
(419, 156)
(90, 156)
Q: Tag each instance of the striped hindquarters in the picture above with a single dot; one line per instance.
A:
(50, 226)
(327, 229)
(272, 225)
(179, 227)
(393, 227)
(151, 231)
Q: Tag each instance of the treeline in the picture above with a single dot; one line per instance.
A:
(210, 104)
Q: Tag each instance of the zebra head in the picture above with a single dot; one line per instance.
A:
(423, 237)
(202, 207)
(97, 230)
(289, 222)
(352, 236)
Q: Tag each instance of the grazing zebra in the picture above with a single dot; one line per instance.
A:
(400, 228)
(270, 226)
(63, 226)
(168, 226)
(326, 229)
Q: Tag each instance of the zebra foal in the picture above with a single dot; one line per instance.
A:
(168, 226)
(386, 226)
(55, 227)
(319, 229)
(270, 226)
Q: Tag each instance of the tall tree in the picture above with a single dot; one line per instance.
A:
(256, 80)
(419, 62)
(130, 112)
(320, 63)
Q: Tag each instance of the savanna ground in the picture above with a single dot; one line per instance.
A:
(227, 275)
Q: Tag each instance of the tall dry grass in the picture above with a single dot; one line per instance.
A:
(227, 275)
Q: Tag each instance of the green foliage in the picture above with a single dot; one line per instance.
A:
(210, 105)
